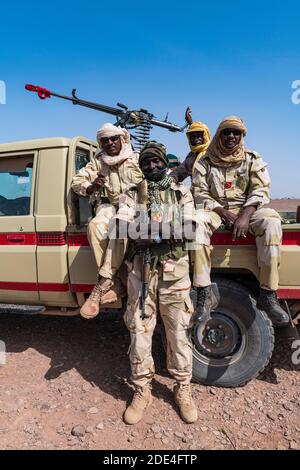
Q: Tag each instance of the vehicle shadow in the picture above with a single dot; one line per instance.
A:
(96, 349)
(286, 356)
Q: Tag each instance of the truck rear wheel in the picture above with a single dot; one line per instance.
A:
(236, 344)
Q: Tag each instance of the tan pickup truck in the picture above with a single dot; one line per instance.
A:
(47, 265)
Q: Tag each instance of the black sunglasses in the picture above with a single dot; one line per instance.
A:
(235, 132)
(113, 138)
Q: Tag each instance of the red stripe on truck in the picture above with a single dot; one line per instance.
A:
(74, 239)
(225, 238)
(288, 294)
(39, 239)
(33, 286)
(18, 238)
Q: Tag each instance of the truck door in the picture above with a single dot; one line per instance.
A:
(82, 266)
(18, 272)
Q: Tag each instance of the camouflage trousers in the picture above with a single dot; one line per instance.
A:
(109, 252)
(175, 306)
(265, 224)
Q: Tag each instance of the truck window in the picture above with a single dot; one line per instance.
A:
(15, 185)
(82, 157)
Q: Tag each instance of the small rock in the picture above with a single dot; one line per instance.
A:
(155, 428)
(158, 435)
(78, 431)
(134, 434)
(165, 441)
(212, 391)
(100, 426)
(271, 416)
(45, 407)
(203, 428)
(89, 430)
(287, 406)
(179, 435)
(130, 439)
(262, 430)
(93, 410)
(185, 439)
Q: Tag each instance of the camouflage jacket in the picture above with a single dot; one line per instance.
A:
(119, 178)
(246, 184)
(178, 202)
(180, 213)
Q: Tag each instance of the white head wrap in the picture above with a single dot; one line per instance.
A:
(109, 130)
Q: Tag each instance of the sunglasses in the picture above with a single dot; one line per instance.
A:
(235, 132)
(113, 138)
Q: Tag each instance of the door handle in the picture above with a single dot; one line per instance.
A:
(16, 238)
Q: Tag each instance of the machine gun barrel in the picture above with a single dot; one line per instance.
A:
(43, 93)
(167, 125)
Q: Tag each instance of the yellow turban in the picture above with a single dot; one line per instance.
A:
(200, 149)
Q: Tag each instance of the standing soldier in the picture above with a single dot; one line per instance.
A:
(114, 171)
(199, 138)
(232, 185)
(168, 205)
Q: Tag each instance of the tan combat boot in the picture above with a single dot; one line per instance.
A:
(142, 398)
(91, 307)
(185, 402)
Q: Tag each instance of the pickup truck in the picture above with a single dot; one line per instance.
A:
(47, 266)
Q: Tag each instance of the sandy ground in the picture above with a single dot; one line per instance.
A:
(68, 376)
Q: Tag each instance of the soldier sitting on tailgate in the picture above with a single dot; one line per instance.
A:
(232, 185)
(114, 171)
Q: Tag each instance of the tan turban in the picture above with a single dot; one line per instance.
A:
(222, 156)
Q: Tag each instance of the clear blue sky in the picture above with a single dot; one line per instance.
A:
(236, 57)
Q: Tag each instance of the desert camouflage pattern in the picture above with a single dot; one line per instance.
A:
(246, 184)
(119, 178)
(179, 208)
(265, 224)
(109, 251)
(169, 291)
(109, 254)
(176, 311)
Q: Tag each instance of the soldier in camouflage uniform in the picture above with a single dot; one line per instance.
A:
(171, 205)
(232, 185)
(198, 136)
(114, 171)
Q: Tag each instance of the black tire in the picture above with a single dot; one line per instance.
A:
(250, 332)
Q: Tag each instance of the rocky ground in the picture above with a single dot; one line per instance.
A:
(65, 387)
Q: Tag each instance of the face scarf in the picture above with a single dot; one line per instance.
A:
(222, 156)
(109, 130)
(156, 181)
(199, 149)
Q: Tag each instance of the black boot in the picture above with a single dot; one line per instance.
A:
(268, 302)
(206, 302)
